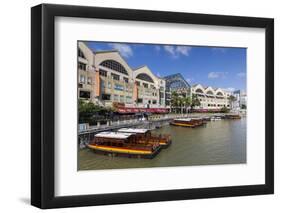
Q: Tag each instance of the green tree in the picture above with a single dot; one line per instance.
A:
(187, 102)
(224, 110)
(181, 104)
(175, 101)
(90, 112)
(195, 101)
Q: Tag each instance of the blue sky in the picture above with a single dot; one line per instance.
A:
(210, 66)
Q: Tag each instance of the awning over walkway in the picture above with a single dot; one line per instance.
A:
(138, 110)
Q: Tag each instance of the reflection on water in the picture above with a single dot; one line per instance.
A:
(218, 142)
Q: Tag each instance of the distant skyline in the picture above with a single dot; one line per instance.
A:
(223, 67)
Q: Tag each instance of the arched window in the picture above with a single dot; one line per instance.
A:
(199, 91)
(145, 77)
(210, 93)
(220, 93)
(114, 65)
(81, 54)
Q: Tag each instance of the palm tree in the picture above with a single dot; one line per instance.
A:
(181, 104)
(195, 101)
(187, 102)
(174, 100)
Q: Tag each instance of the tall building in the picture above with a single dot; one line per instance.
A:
(240, 100)
(211, 98)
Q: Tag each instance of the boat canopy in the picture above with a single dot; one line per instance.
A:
(132, 130)
(117, 135)
(183, 119)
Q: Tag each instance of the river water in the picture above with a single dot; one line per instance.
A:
(218, 142)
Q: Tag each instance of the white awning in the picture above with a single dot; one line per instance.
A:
(132, 130)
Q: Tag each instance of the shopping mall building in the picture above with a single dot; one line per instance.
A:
(211, 98)
(105, 78)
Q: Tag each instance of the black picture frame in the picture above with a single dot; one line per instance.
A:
(43, 105)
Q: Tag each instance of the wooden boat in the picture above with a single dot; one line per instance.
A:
(215, 118)
(145, 134)
(187, 122)
(233, 116)
(206, 118)
(123, 144)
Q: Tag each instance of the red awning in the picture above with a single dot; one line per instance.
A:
(136, 110)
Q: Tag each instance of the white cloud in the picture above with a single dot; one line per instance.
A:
(176, 51)
(184, 50)
(230, 89)
(217, 74)
(241, 74)
(170, 49)
(124, 49)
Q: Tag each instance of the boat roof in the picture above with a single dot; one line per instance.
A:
(132, 130)
(117, 135)
(183, 119)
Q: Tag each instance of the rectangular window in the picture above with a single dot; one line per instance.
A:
(105, 96)
(139, 100)
(89, 81)
(115, 77)
(116, 98)
(102, 84)
(103, 73)
(145, 85)
(121, 98)
(118, 87)
(154, 102)
(84, 94)
(128, 99)
(126, 89)
(126, 80)
(82, 66)
(82, 79)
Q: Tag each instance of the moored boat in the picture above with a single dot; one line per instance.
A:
(206, 118)
(123, 144)
(146, 135)
(232, 116)
(187, 122)
(215, 118)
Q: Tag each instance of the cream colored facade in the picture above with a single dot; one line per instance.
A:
(150, 88)
(211, 98)
(86, 73)
(112, 80)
